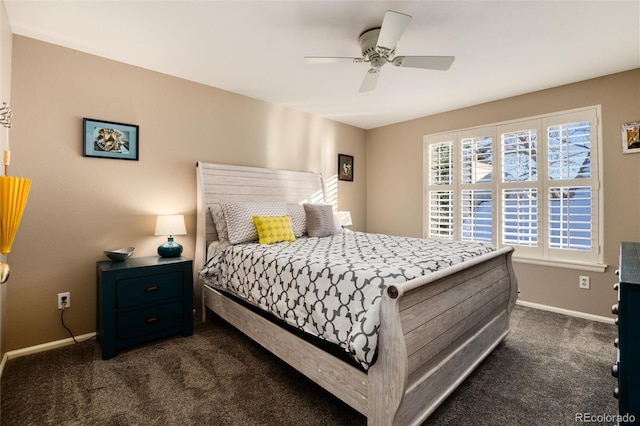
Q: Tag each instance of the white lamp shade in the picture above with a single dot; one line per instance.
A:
(171, 225)
(344, 217)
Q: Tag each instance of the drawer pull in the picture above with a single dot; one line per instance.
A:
(617, 321)
(152, 288)
(614, 309)
(617, 271)
(616, 286)
(614, 370)
(616, 393)
(616, 342)
(151, 320)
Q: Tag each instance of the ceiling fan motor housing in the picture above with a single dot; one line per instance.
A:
(368, 42)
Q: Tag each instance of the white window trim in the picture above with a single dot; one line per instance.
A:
(567, 264)
(522, 256)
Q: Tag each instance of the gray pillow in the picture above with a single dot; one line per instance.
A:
(320, 222)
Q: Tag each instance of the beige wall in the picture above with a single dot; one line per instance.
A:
(5, 94)
(394, 161)
(80, 206)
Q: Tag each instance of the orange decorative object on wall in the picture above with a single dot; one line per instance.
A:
(14, 193)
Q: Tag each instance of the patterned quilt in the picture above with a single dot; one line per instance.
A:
(331, 287)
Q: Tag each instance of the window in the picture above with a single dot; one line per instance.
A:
(532, 184)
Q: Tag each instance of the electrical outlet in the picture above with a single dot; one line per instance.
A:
(584, 282)
(67, 300)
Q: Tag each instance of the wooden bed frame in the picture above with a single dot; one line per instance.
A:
(434, 331)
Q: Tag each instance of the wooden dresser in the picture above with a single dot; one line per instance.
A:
(627, 367)
(142, 299)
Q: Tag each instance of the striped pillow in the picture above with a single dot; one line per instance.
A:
(239, 218)
(298, 219)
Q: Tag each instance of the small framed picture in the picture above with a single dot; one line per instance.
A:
(345, 167)
(631, 137)
(109, 139)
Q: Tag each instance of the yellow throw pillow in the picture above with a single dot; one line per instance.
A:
(274, 229)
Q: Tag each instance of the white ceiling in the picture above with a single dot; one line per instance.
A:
(256, 48)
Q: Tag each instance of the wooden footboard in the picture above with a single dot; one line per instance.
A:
(434, 331)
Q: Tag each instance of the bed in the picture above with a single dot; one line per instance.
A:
(434, 329)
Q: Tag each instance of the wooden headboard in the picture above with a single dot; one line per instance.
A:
(220, 182)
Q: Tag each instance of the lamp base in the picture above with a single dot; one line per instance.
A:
(170, 249)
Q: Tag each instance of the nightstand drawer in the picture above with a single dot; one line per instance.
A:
(150, 320)
(149, 289)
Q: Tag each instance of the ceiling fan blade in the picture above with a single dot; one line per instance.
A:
(370, 80)
(440, 63)
(393, 25)
(330, 60)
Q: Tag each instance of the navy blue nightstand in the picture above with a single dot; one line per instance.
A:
(143, 299)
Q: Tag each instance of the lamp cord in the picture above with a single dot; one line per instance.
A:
(64, 325)
(68, 329)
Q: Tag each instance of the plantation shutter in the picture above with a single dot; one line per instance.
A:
(572, 186)
(477, 221)
(520, 168)
(440, 185)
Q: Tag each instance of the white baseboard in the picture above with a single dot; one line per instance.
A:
(69, 341)
(3, 363)
(566, 312)
(42, 348)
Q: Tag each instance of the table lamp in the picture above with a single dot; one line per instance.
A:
(170, 225)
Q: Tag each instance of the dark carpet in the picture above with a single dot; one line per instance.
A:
(549, 368)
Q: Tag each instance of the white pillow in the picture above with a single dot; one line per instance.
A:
(220, 224)
(298, 219)
(239, 218)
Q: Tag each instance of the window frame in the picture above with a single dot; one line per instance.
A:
(543, 254)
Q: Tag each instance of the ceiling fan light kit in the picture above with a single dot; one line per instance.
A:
(378, 47)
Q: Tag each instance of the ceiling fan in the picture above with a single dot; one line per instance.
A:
(378, 47)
